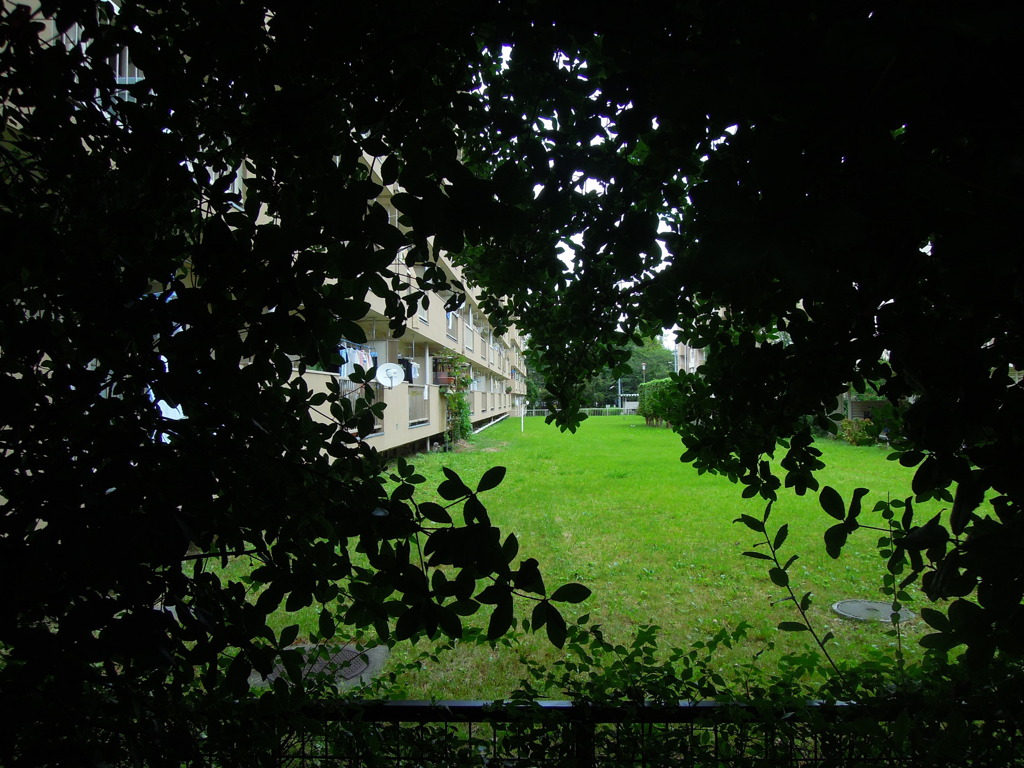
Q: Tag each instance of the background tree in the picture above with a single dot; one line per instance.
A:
(602, 387)
(659, 362)
(536, 391)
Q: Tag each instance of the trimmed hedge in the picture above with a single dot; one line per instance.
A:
(655, 397)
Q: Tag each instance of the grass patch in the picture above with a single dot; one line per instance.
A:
(612, 506)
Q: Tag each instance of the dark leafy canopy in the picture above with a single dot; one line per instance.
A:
(138, 279)
(806, 191)
(834, 178)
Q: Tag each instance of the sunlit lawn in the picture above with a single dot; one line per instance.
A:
(612, 506)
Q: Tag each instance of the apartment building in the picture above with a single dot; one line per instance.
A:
(688, 359)
(436, 346)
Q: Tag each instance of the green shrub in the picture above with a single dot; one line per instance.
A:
(654, 400)
(460, 423)
(858, 431)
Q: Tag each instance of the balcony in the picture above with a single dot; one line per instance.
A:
(419, 405)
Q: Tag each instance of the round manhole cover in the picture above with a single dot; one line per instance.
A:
(343, 662)
(346, 664)
(869, 610)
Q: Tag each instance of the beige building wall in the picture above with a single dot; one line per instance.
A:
(688, 359)
(416, 412)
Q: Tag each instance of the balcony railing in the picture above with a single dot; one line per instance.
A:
(419, 405)
(353, 392)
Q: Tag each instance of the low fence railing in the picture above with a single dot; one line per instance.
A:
(695, 734)
(611, 411)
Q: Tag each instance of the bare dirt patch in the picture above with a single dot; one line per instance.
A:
(496, 448)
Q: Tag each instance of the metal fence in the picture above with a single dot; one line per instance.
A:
(610, 411)
(694, 734)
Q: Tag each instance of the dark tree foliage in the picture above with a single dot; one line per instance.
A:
(803, 188)
(135, 275)
(806, 191)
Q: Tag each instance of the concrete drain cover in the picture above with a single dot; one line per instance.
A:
(869, 610)
(345, 663)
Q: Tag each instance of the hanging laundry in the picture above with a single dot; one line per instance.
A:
(353, 355)
(347, 367)
(406, 368)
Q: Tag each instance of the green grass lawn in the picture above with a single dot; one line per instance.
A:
(612, 507)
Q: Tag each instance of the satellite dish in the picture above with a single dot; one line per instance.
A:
(390, 374)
